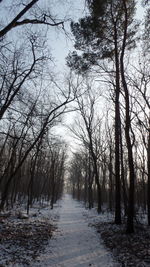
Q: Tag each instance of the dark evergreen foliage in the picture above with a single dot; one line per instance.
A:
(94, 34)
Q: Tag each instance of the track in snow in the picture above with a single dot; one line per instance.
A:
(75, 243)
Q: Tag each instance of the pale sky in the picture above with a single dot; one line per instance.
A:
(60, 45)
(59, 42)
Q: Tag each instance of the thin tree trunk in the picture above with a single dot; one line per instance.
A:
(117, 139)
(148, 182)
(110, 167)
(125, 196)
(99, 202)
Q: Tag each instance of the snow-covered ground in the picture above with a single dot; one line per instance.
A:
(24, 237)
(74, 243)
(70, 235)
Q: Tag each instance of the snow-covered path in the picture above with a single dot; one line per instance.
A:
(75, 243)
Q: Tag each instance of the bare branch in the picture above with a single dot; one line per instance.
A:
(12, 24)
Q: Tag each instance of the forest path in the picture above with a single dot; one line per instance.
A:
(74, 243)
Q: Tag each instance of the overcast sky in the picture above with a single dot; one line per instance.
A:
(60, 45)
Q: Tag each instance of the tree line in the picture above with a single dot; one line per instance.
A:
(32, 157)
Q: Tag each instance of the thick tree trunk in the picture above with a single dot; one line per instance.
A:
(130, 218)
(130, 224)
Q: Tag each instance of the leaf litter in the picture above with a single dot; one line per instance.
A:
(23, 238)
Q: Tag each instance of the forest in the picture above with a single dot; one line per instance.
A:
(105, 90)
(114, 164)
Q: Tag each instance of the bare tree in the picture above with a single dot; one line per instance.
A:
(31, 136)
(89, 134)
(43, 17)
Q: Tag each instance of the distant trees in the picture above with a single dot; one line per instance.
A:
(90, 137)
(23, 135)
(31, 104)
(88, 129)
(77, 171)
(140, 82)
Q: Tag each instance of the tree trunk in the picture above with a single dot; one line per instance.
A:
(148, 182)
(130, 218)
(130, 224)
(99, 202)
(125, 196)
(117, 139)
(90, 183)
(110, 167)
